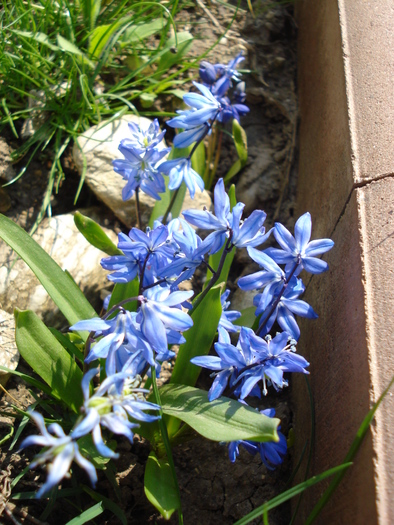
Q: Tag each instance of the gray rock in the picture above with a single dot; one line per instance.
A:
(7, 172)
(60, 238)
(99, 147)
(9, 355)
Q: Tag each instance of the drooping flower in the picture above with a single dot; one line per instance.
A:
(180, 170)
(61, 451)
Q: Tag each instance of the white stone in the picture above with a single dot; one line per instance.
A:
(9, 355)
(60, 238)
(99, 147)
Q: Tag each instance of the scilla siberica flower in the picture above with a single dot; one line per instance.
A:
(61, 451)
(117, 399)
(228, 224)
(143, 152)
(299, 249)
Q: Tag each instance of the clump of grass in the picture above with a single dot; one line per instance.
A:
(68, 65)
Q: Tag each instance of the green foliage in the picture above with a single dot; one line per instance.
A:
(221, 420)
(159, 486)
(69, 65)
(95, 235)
(47, 357)
(63, 290)
(241, 145)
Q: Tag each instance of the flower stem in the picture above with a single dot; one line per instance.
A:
(170, 206)
(215, 275)
(137, 208)
(166, 441)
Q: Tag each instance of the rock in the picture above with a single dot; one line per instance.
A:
(241, 299)
(60, 238)
(7, 172)
(99, 146)
(9, 355)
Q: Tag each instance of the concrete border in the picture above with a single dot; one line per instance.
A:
(346, 181)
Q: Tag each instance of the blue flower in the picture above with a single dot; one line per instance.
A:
(230, 361)
(140, 170)
(160, 309)
(117, 399)
(273, 358)
(141, 139)
(61, 451)
(190, 255)
(284, 311)
(180, 170)
(272, 279)
(228, 316)
(299, 249)
(205, 107)
(226, 224)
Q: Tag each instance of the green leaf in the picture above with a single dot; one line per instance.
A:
(100, 37)
(147, 99)
(95, 235)
(215, 258)
(69, 47)
(198, 340)
(159, 486)
(47, 357)
(221, 420)
(42, 38)
(240, 141)
(88, 515)
(64, 292)
(64, 340)
(294, 491)
(89, 450)
(247, 318)
(138, 32)
(241, 145)
(125, 291)
(183, 41)
(198, 159)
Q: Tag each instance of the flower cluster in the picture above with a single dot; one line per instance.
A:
(143, 167)
(131, 343)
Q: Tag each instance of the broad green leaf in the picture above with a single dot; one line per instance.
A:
(198, 159)
(69, 47)
(91, 10)
(247, 318)
(215, 258)
(159, 486)
(138, 32)
(64, 340)
(100, 37)
(294, 491)
(47, 357)
(199, 338)
(183, 43)
(89, 450)
(95, 235)
(64, 292)
(125, 291)
(42, 38)
(221, 420)
(88, 515)
(29, 380)
(233, 171)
